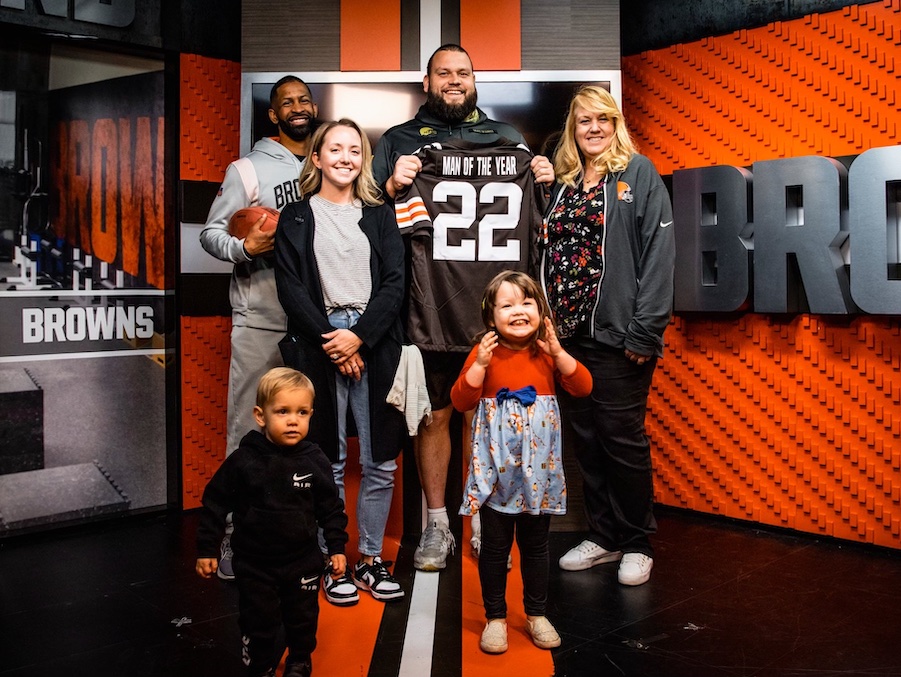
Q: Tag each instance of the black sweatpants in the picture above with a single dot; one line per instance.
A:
(612, 448)
(531, 532)
(270, 596)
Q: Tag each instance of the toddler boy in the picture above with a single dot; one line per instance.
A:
(279, 489)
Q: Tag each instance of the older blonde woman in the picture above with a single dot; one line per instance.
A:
(607, 268)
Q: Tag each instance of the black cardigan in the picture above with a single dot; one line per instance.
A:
(380, 329)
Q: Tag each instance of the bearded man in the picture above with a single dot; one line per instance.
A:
(450, 112)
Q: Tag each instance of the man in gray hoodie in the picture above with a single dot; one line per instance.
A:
(268, 177)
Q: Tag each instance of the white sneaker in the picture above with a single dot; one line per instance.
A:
(635, 568)
(340, 591)
(586, 555)
(435, 544)
(494, 636)
(542, 632)
(377, 580)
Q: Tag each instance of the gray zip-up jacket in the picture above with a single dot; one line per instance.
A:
(271, 183)
(634, 303)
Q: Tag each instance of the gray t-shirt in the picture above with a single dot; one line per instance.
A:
(342, 254)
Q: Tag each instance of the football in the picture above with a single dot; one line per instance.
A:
(241, 221)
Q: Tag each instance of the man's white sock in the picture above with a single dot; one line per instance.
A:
(439, 515)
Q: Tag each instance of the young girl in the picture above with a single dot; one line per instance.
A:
(516, 471)
(340, 276)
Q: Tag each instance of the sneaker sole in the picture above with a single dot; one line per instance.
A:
(581, 566)
(638, 581)
(342, 601)
(493, 649)
(380, 596)
(553, 644)
(429, 566)
(224, 577)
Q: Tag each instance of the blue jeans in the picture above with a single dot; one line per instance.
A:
(377, 479)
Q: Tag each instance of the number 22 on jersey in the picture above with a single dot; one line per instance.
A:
(490, 243)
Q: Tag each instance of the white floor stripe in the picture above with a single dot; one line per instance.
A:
(416, 660)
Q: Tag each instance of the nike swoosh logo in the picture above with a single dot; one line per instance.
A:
(664, 225)
(300, 478)
(306, 580)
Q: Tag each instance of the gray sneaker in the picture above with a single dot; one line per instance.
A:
(436, 543)
(226, 571)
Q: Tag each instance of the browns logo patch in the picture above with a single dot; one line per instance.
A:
(624, 192)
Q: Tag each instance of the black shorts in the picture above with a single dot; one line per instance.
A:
(441, 372)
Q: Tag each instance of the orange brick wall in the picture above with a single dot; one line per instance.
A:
(210, 96)
(787, 422)
(826, 84)
(205, 351)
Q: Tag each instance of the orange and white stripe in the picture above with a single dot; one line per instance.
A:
(410, 212)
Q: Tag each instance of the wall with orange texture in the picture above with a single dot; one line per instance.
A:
(787, 422)
(823, 85)
(210, 130)
(210, 123)
(205, 351)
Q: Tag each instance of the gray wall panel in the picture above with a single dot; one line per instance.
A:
(570, 34)
(290, 36)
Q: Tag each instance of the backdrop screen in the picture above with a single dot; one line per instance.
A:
(536, 109)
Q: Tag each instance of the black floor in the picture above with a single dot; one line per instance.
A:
(122, 599)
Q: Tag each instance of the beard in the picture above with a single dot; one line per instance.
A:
(297, 133)
(451, 113)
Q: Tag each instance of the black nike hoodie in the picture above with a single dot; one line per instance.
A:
(278, 496)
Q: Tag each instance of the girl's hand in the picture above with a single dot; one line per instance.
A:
(486, 349)
(340, 345)
(566, 364)
(550, 344)
(353, 366)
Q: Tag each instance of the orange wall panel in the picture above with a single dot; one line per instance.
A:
(822, 85)
(491, 33)
(787, 422)
(793, 424)
(205, 353)
(370, 35)
(210, 121)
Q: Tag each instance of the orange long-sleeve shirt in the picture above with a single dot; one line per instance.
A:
(515, 369)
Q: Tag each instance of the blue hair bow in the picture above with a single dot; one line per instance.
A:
(526, 395)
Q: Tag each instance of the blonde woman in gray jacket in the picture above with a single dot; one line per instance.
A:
(607, 267)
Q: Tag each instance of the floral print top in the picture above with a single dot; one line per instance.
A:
(575, 258)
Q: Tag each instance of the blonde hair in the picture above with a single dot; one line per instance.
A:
(278, 379)
(530, 289)
(365, 187)
(568, 159)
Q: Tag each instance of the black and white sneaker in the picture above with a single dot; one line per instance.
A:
(377, 580)
(340, 591)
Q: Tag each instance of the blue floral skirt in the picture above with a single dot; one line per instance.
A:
(517, 458)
